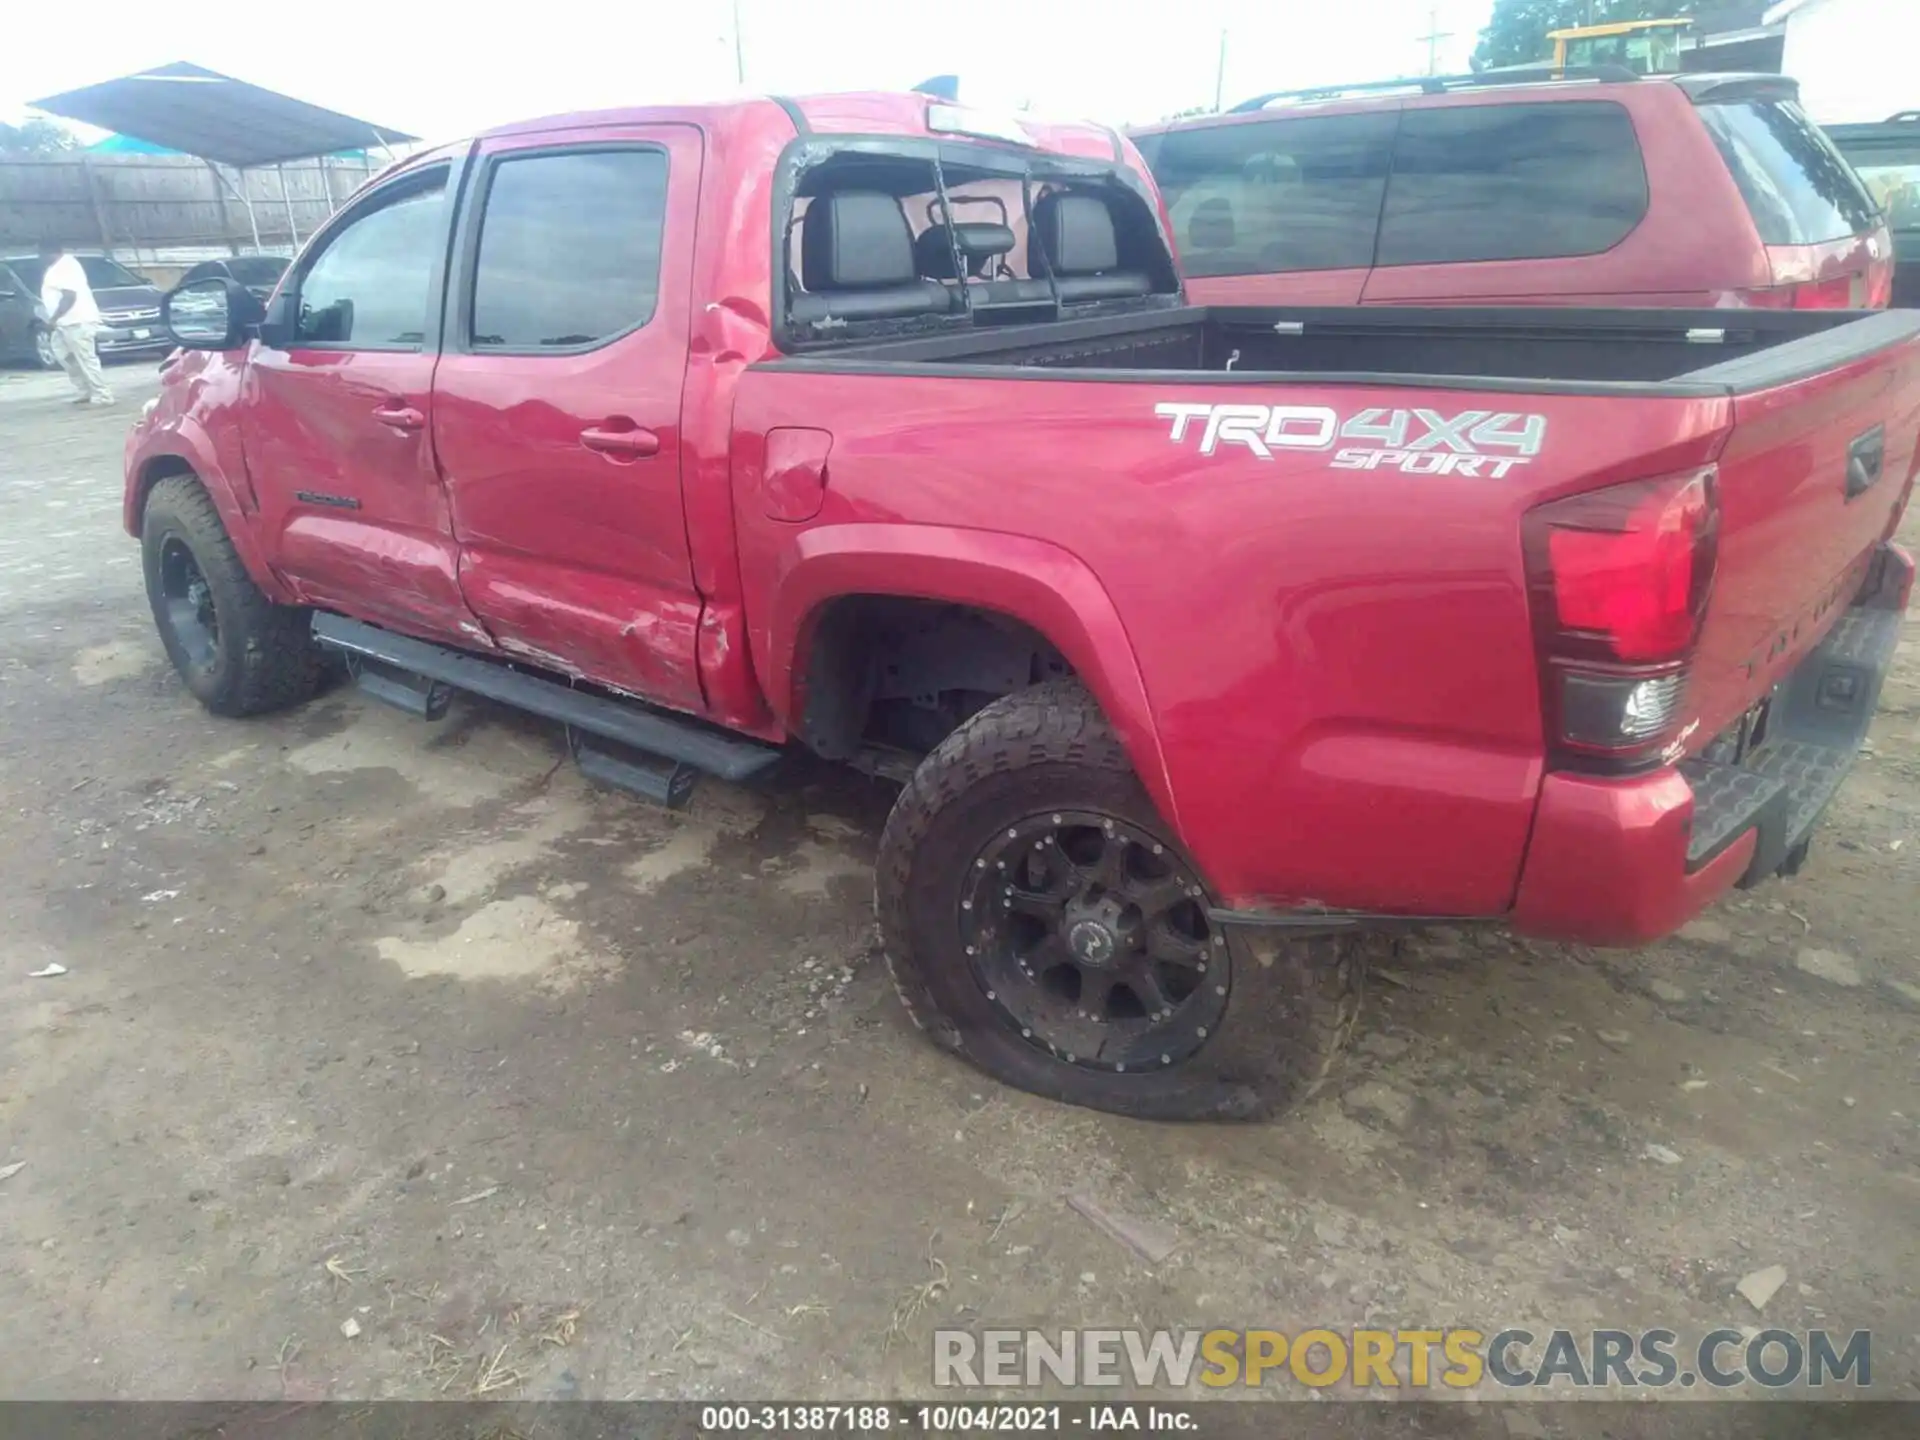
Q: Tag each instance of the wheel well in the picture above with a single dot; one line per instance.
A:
(889, 674)
(161, 467)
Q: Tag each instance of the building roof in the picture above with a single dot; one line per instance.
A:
(216, 117)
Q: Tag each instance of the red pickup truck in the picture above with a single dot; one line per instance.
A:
(1207, 642)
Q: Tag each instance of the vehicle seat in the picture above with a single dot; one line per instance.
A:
(1074, 239)
(980, 243)
(856, 260)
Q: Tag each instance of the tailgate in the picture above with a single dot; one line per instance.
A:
(1813, 477)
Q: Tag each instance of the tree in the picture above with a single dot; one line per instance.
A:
(1517, 30)
(36, 139)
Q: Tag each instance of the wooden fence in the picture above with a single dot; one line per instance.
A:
(169, 210)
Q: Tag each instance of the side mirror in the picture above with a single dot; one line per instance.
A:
(212, 314)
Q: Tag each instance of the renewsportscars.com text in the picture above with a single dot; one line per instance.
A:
(1451, 1358)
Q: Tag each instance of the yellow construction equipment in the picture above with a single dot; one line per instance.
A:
(1646, 47)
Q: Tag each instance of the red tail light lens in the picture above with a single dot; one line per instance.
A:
(1843, 292)
(1880, 267)
(1619, 580)
(1866, 283)
(1628, 567)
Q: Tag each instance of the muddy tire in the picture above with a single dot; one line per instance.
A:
(239, 653)
(1040, 921)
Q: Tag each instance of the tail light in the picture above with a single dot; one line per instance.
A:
(1794, 267)
(1618, 581)
(1880, 268)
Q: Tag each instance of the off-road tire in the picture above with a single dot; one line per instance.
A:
(264, 657)
(1293, 1002)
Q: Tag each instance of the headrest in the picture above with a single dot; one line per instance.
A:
(855, 240)
(978, 241)
(1075, 233)
(1210, 227)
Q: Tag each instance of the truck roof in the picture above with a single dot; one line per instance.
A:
(876, 112)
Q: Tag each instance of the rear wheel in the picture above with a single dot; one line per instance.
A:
(43, 354)
(1040, 921)
(239, 653)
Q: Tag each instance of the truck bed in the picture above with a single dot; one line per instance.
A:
(1315, 557)
(1510, 350)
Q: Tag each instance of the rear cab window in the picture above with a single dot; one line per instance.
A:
(1266, 197)
(1798, 187)
(898, 236)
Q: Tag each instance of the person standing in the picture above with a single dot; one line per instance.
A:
(75, 319)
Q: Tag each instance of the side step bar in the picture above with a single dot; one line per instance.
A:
(374, 655)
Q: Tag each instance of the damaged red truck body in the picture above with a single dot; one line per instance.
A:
(1199, 637)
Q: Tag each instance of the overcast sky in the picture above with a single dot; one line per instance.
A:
(445, 71)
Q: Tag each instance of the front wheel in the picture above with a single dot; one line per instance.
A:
(239, 653)
(43, 352)
(1040, 921)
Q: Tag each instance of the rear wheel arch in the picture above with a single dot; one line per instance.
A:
(1021, 586)
(875, 658)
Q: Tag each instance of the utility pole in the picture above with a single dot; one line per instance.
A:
(1220, 74)
(739, 48)
(1433, 37)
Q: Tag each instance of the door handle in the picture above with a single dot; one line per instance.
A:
(627, 443)
(1866, 459)
(400, 417)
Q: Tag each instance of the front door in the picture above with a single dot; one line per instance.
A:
(556, 407)
(338, 417)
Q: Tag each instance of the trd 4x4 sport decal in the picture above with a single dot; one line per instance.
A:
(1418, 442)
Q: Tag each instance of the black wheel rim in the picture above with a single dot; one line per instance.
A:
(1091, 938)
(189, 603)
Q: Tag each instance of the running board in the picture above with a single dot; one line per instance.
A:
(665, 782)
(652, 732)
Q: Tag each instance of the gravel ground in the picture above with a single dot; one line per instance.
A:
(404, 1030)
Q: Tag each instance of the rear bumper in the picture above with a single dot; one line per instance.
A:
(1622, 862)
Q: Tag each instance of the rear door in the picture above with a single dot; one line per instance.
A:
(1275, 211)
(1512, 203)
(557, 403)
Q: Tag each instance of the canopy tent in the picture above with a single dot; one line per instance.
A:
(216, 117)
(191, 110)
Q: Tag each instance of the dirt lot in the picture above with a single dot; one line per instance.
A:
(553, 1094)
